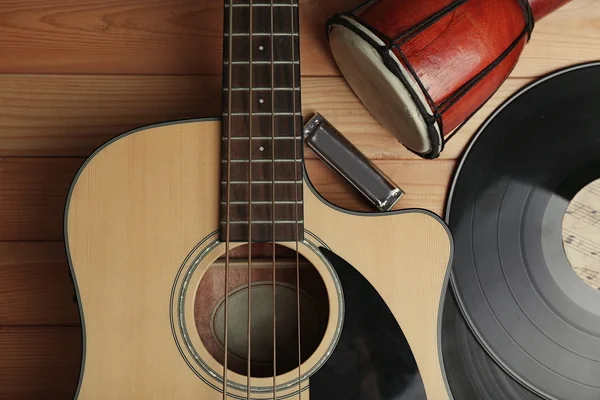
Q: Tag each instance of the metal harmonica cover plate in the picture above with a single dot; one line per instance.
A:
(350, 164)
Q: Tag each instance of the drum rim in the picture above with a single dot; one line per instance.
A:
(432, 132)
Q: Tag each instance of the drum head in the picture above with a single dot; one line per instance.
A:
(382, 92)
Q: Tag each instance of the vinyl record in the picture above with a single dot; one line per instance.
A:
(471, 373)
(515, 286)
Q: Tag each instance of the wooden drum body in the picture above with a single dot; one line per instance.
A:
(422, 68)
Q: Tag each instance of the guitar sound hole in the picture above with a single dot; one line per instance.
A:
(209, 310)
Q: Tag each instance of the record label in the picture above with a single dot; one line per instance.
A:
(581, 234)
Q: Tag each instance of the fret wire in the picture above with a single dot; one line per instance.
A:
(262, 138)
(265, 161)
(258, 89)
(263, 114)
(261, 5)
(261, 202)
(266, 48)
(263, 222)
(285, 30)
(262, 182)
(261, 34)
(262, 62)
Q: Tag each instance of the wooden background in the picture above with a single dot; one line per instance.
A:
(74, 73)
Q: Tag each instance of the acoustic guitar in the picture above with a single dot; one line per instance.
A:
(208, 267)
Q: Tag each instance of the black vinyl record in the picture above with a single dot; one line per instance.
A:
(470, 371)
(513, 282)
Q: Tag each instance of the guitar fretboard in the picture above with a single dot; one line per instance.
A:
(262, 122)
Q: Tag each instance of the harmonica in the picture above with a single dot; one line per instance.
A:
(350, 164)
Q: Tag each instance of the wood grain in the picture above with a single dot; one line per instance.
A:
(34, 191)
(63, 115)
(541, 8)
(35, 285)
(425, 183)
(71, 115)
(32, 197)
(138, 208)
(99, 56)
(36, 288)
(39, 363)
(185, 37)
(137, 36)
(258, 82)
(568, 36)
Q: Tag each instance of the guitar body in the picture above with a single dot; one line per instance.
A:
(142, 223)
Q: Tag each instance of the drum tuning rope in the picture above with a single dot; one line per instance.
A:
(391, 48)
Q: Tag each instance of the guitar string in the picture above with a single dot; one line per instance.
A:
(296, 219)
(273, 200)
(228, 211)
(250, 145)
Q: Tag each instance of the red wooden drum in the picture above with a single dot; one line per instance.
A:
(422, 68)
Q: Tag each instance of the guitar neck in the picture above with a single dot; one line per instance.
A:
(261, 196)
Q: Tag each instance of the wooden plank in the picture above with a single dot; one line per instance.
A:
(32, 197)
(35, 286)
(34, 281)
(39, 363)
(333, 98)
(61, 115)
(138, 36)
(425, 183)
(566, 37)
(185, 37)
(34, 190)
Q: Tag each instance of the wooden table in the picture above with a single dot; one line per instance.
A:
(75, 73)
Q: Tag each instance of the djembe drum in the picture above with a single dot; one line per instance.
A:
(423, 68)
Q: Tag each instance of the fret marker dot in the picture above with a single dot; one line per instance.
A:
(261, 48)
(262, 148)
(261, 101)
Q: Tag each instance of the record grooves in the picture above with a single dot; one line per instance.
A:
(533, 322)
(471, 372)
